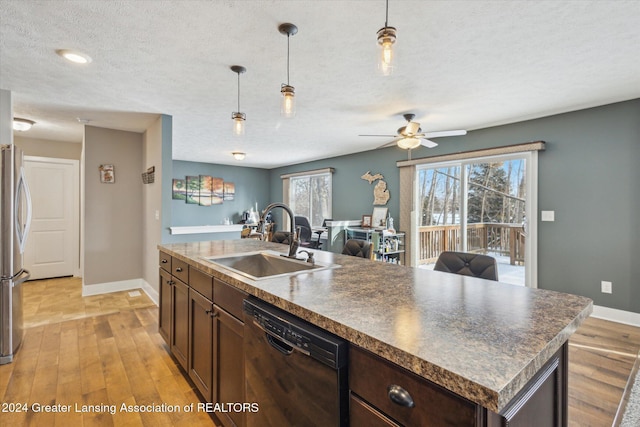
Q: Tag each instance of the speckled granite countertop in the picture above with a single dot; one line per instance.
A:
(480, 339)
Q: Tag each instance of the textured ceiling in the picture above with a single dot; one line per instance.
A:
(460, 65)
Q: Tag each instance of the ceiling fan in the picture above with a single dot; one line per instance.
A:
(411, 136)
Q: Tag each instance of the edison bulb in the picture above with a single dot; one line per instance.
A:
(386, 58)
(238, 123)
(238, 127)
(288, 101)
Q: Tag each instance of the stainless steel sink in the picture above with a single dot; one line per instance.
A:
(266, 264)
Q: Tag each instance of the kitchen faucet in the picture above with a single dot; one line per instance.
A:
(293, 239)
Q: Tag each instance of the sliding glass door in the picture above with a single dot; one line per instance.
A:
(478, 205)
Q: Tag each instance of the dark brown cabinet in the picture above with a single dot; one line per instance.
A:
(201, 343)
(164, 322)
(180, 322)
(174, 306)
(228, 348)
(384, 394)
(201, 320)
(391, 395)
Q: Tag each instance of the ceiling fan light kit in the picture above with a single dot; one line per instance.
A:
(237, 116)
(288, 109)
(409, 143)
(386, 40)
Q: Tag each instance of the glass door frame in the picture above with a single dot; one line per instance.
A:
(531, 205)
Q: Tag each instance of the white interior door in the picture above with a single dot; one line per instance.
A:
(53, 243)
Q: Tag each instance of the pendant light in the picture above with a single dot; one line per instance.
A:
(288, 92)
(386, 39)
(238, 117)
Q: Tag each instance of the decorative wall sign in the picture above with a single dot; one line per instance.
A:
(107, 174)
(203, 190)
(380, 193)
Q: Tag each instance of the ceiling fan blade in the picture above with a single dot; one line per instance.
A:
(388, 144)
(411, 128)
(428, 143)
(386, 136)
(445, 133)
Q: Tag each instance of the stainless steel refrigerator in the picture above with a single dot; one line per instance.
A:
(15, 219)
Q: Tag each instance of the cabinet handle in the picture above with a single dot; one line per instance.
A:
(170, 282)
(164, 261)
(212, 313)
(179, 269)
(400, 396)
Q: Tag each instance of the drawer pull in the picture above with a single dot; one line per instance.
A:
(164, 261)
(400, 396)
(179, 269)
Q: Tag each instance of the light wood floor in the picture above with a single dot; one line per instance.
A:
(105, 350)
(101, 350)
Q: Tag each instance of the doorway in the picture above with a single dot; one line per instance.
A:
(479, 205)
(52, 248)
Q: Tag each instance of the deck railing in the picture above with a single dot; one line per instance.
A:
(505, 239)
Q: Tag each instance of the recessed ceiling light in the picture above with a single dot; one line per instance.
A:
(22, 125)
(238, 155)
(74, 56)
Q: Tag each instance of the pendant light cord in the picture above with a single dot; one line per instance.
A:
(238, 92)
(288, 36)
(386, 17)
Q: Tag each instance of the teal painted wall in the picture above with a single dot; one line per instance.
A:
(251, 185)
(588, 175)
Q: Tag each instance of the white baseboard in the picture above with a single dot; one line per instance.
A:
(123, 285)
(615, 315)
(151, 293)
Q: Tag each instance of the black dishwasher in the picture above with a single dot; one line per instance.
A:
(295, 371)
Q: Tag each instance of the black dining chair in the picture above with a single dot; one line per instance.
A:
(468, 264)
(356, 247)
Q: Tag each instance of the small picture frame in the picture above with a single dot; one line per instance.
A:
(379, 218)
(366, 221)
(107, 174)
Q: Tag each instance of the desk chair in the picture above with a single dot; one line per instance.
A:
(305, 232)
(355, 247)
(319, 232)
(468, 264)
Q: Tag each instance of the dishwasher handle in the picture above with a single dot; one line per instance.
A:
(279, 345)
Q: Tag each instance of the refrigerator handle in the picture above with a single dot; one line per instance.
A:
(22, 232)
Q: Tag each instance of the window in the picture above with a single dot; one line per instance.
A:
(308, 194)
(477, 201)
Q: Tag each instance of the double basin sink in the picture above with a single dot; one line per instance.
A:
(266, 264)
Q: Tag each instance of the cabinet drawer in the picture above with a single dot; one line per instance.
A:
(228, 298)
(165, 261)
(372, 378)
(180, 269)
(201, 282)
(363, 415)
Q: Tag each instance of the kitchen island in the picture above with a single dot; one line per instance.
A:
(483, 341)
